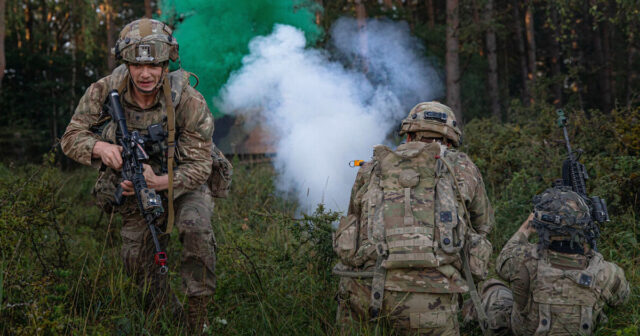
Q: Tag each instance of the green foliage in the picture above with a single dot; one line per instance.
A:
(274, 267)
(521, 159)
(214, 35)
(273, 263)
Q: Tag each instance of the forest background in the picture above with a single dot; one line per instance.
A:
(508, 65)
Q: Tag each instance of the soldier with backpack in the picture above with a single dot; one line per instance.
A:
(182, 165)
(560, 285)
(415, 233)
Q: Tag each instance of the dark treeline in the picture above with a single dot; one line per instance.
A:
(581, 52)
(494, 53)
(53, 51)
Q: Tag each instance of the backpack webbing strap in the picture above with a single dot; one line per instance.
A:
(171, 147)
(464, 254)
(376, 234)
(544, 319)
(408, 213)
(123, 84)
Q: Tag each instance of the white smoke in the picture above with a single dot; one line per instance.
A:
(324, 114)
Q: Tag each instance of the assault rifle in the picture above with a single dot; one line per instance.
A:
(574, 175)
(133, 155)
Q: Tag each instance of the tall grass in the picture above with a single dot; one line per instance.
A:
(61, 273)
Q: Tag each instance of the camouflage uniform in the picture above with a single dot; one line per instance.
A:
(552, 293)
(193, 197)
(423, 299)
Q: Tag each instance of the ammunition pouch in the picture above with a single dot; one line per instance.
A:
(105, 188)
(480, 249)
(221, 172)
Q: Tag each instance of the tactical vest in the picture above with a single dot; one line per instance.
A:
(219, 180)
(118, 80)
(568, 300)
(415, 217)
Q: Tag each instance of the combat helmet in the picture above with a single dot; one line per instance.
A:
(432, 119)
(561, 214)
(146, 41)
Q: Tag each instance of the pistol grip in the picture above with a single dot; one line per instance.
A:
(118, 199)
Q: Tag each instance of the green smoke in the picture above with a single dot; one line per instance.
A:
(214, 34)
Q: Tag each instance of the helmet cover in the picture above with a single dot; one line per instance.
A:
(561, 214)
(146, 41)
(432, 119)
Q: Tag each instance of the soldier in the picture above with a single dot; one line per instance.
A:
(152, 98)
(415, 214)
(560, 285)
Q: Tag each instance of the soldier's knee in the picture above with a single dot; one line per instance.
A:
(497, 301)
(131, 249)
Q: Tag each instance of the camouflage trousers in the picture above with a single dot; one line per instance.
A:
(193, 211)
(407, 313)
(497, 302)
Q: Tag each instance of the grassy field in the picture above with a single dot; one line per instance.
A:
(61, 273)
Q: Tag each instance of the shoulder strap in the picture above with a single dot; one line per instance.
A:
(171, 144)
(473, 291)
(375, 226)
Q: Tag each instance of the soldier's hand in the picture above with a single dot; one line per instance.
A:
(527, 227)
(111, 155)
(127, 188)
(156, 182)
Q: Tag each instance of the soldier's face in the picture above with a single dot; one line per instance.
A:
(146, 77)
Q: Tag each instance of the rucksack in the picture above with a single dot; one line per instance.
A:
(571, 296)
(415, 178)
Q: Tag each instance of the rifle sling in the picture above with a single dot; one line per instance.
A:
(171, 144)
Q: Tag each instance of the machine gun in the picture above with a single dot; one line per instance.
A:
(574, 175)
(133, 156)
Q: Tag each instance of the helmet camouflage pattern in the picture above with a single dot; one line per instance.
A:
(561, 214)
(146, 41)
(432, 119)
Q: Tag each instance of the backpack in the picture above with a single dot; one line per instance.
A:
(412, 214)
(566, 299)
(417, 220)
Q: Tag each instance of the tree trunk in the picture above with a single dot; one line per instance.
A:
(603, 79)
(147, 9)
(531, 46)
(319, 13)
(607, 70)
(361, 15)
(431, 14)
(3, 61)
(631, 50)
(556, 71)
(452, 60)
(111, 62)
(74, 62)
(492, 60)
(524, 71)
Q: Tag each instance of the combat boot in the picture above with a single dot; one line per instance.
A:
(197, 320)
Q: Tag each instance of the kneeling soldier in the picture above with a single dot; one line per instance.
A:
(416, 214)
(560, 285)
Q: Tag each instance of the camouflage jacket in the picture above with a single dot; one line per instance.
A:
(525, 266)
(193, 123)
(437, 280)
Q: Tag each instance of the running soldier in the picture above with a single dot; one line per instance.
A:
(160, 106)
